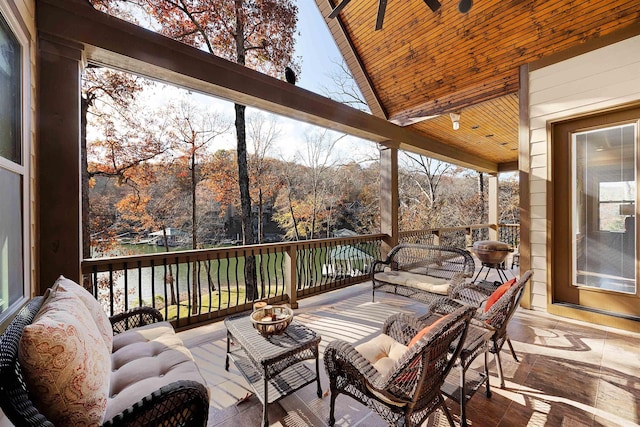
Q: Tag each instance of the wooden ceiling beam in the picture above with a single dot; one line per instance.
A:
(505, 84)
(121, 45)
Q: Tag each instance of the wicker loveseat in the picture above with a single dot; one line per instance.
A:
(64, 362)
(422, 272)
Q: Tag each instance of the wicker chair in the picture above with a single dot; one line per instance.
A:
(410, 391)
(496, 317)
(181, 403)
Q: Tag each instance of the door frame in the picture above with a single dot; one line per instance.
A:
(559, 230)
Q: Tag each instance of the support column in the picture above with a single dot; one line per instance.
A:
(524, 167)
(58, 165)
(493, 206)
(389, 199)
(291, 275)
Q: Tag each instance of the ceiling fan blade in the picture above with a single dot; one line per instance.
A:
(338, 8)
(433, 4)
(382, 7)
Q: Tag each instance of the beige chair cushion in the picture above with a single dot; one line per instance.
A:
(145, 359)
(414, 280)
(66, 363)
(97, 312)
(382, 352)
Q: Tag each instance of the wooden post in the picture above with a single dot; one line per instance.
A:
(59, 192)
(389, 199)
(436, 237)
(493, 207)
(291, 275)
(468, 238)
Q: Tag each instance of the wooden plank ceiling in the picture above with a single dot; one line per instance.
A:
(423, 64)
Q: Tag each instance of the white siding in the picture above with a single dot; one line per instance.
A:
(597, 80)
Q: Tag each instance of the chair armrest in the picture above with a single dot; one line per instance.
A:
(470, 294)
(138, 316)
(379, 266)
(182, 403)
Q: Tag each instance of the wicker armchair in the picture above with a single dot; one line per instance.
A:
(410, 390)
(495, 318)
(181, 403)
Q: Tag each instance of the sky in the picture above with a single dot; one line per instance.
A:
(318, 52)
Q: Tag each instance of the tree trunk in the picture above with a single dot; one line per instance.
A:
(169, 278)
(194, 236)
(260, 215)
(481, 194)
(243, 171)
(293, 217)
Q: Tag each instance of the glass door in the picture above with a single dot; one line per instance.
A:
(604, 179)
(594, 207)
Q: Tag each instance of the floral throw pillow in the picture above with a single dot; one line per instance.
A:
(66, 363)
(95, 309)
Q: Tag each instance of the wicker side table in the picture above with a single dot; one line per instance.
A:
(272, 365)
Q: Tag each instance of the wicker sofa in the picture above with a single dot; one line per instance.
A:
(64, 362)
(422, 272)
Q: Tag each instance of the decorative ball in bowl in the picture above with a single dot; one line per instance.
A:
(272, 319)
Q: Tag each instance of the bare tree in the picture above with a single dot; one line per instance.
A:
(344, 88)
(263, 132)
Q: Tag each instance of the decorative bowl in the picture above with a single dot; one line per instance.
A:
(272, 319)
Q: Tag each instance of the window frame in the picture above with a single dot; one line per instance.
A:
(24, 169)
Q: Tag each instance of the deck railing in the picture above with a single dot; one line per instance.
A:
(464, 236)
(192, 287)
(205, 285)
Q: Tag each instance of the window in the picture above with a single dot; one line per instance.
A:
(616, 204)
(13, 169)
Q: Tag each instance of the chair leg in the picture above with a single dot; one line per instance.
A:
(486, 373)
(499, 363)
(463, 398)
(332, 407)
(447, 413)
(513, 352)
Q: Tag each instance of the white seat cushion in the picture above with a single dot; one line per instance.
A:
(145, 359)
(416, 281)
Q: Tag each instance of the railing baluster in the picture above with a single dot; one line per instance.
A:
(178, 304)
(139, 283)
(111, 296)
(126, 285)
(189, 283)
(153, 284)
(166, 280)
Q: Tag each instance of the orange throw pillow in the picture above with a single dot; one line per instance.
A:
(497, 294)
(425, 331)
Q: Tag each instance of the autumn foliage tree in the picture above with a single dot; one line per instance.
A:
(256, 33)
(108, 96)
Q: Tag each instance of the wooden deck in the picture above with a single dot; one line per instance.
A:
(570, 373)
